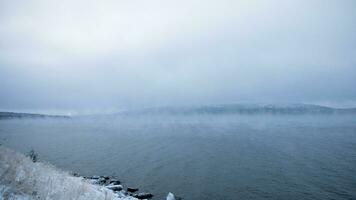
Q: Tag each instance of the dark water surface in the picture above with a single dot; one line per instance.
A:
(203, 156)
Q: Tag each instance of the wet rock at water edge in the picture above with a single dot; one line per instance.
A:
(114, 182)
(101, 181)
(143, 195)
(115, 187)
(92, 177)
(129, 189)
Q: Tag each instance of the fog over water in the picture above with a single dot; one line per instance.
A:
(205, 99)
(92, 57)
(205, 156)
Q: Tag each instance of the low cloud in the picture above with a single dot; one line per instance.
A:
(107, 55)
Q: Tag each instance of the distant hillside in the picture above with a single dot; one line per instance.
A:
(13, 115)
(244, 109)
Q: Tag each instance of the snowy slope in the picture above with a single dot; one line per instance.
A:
(22, 179)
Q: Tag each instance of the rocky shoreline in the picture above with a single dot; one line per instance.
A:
(112, 183)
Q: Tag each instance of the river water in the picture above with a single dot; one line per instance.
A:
(205, 156)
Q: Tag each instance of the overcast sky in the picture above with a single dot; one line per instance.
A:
(108, 55)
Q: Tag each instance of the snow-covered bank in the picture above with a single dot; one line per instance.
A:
(21, 179)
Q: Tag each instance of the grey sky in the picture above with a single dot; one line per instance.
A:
(107, 55)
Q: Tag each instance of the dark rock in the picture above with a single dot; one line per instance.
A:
(93, 177)
(75, 174)
(143, 195)
(101, 181)
(114, 182)
(33, 155)
(115, 187)
(132, 189)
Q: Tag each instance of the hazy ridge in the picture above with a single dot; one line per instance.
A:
(206, 109)
(11, 115)
(244, 109)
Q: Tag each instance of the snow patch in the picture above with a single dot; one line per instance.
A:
(22, 179)
(170, 196)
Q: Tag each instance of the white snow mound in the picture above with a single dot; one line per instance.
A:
(21, 179)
